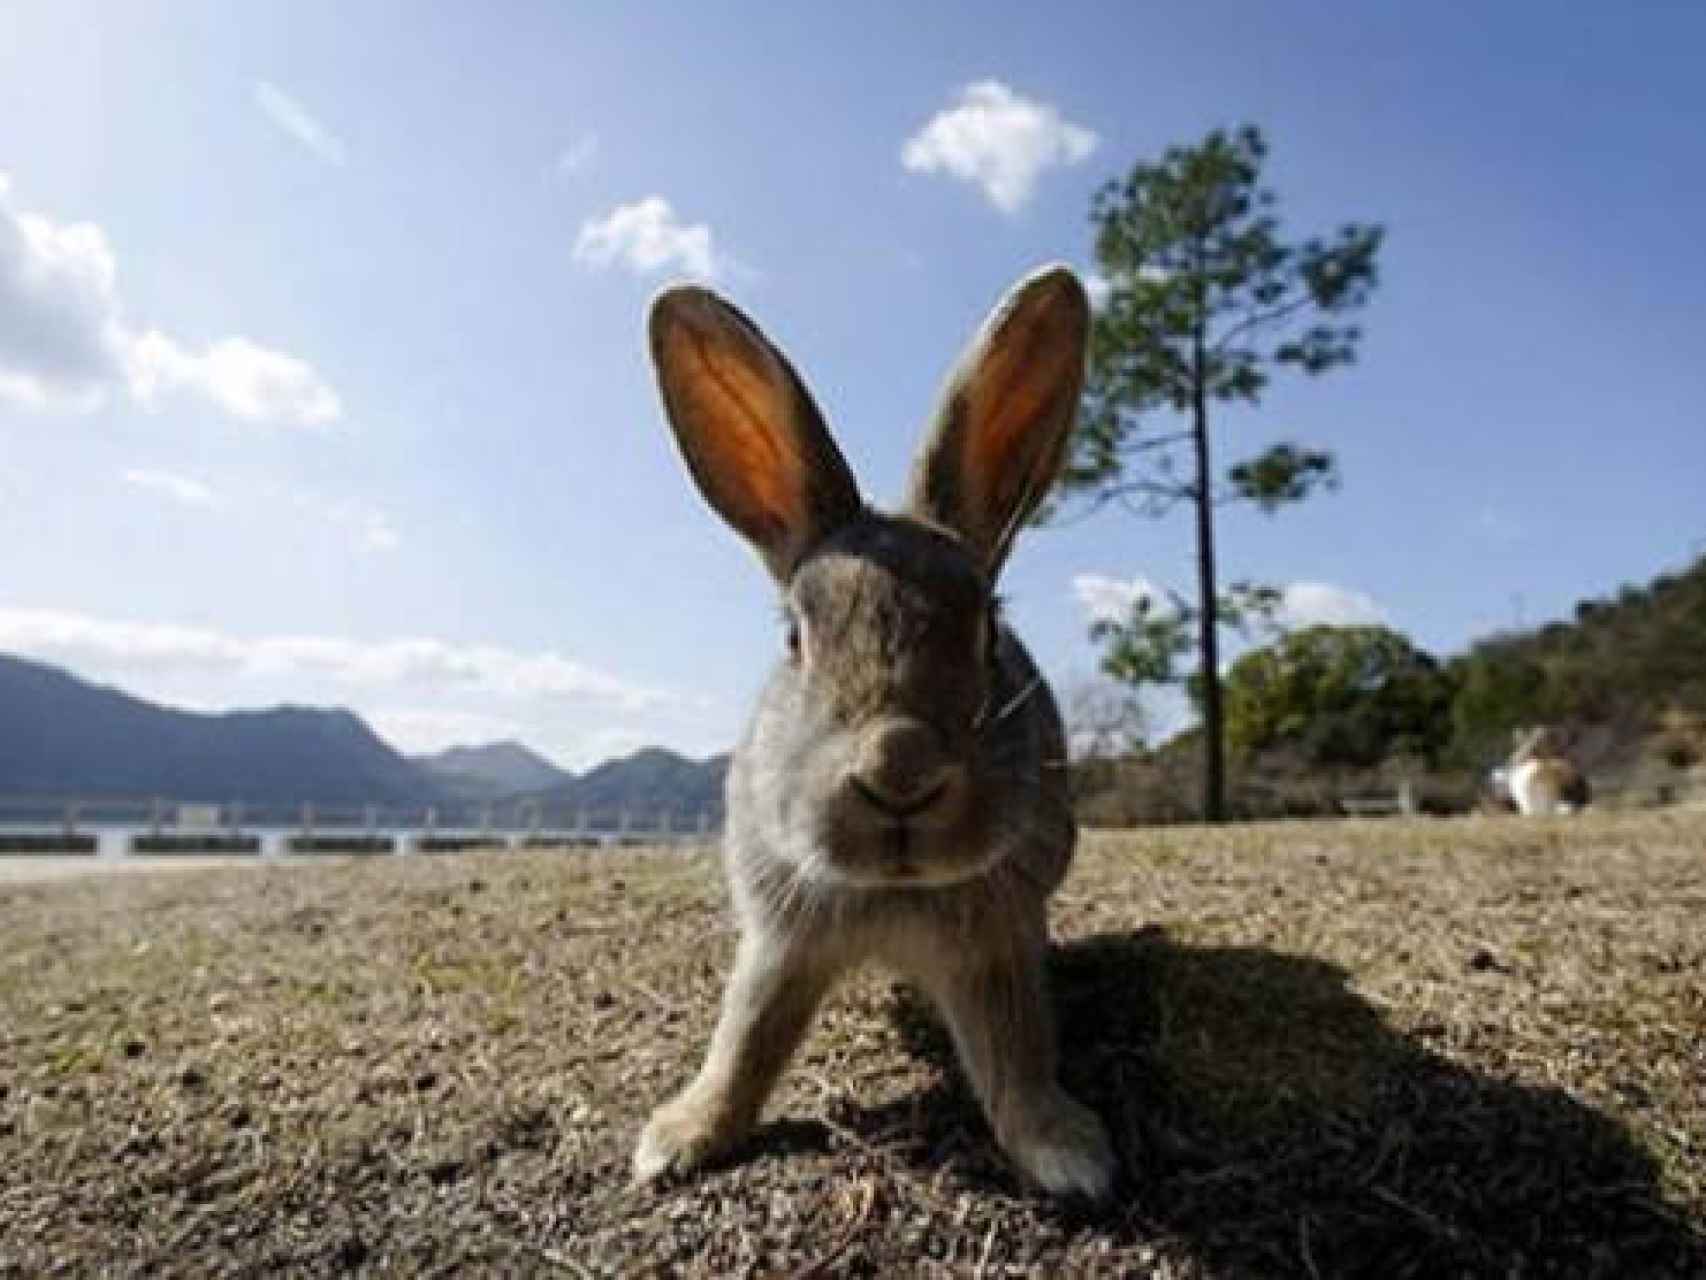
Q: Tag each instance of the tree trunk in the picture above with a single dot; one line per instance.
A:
(1208, 613)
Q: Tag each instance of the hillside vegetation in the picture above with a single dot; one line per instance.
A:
(1329, 712)
(1464, 1048)
(1631, 666)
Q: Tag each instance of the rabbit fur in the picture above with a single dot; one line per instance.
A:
(899, 795)
(1537, 779)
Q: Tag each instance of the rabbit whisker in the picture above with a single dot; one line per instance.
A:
(984, 720)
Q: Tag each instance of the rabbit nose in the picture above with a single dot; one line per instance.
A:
(900, 768)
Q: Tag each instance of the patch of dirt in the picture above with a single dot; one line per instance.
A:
(1468, 1047)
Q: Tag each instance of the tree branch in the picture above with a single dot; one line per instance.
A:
(1153, 506)
(1138, 497)
(1147, 444)
(1257, 319)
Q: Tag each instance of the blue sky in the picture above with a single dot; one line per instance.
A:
(321, 376)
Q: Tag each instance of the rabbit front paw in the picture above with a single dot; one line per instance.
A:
(1062, 1147)
(681, 1136)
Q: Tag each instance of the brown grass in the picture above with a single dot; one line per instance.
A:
(1468, 1047)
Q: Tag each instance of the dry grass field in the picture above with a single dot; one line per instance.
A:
(1467, 1047)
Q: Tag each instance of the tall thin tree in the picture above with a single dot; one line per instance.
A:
(1204, 302)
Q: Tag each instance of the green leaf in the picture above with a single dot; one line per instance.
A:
(1281, 474)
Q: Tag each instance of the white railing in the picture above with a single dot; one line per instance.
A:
(129, 826)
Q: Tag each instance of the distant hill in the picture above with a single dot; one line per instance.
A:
(647, 783)
(64, 736)
(492, 771)
(67, 737)
(1627, 673)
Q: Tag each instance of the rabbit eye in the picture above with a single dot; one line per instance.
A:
(793, 640)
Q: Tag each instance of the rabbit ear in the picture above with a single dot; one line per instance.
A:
(747, 428)
(1006, 416)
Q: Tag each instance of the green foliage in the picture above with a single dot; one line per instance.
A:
(1205, 300)
(1146, 646)
(1628, 662)
(1281, 474)
(1499, 686)
(1626, 678)
(1150, 645)
(1340, 696)
(1633, 663)
(1204, 303)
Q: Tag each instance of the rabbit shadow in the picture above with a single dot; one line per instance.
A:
(1270, 1121)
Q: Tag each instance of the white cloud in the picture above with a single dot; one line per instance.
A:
(64, 343)
(490, 670)
(55, 636)
(1098, 286)
(369, 527)
(577, 157)
(1308, 604)
(998, 139)
(296, 121)
(244, 379)
(60, 337)
(648, 237)
(1108, 599)
(1302, 604)
(422, 694)
(422, 730)
(169, 484)
(619, 740)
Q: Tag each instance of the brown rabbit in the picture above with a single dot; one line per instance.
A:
(899, 794)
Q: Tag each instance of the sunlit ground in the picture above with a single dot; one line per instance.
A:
(1434, 1047)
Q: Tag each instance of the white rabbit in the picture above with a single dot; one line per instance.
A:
(1537, 779)
(899, 795)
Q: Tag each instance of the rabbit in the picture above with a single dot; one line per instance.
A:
(899, 794)
(1538, 779)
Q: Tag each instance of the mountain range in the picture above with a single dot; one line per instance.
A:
(495, 769)
(61, 736)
